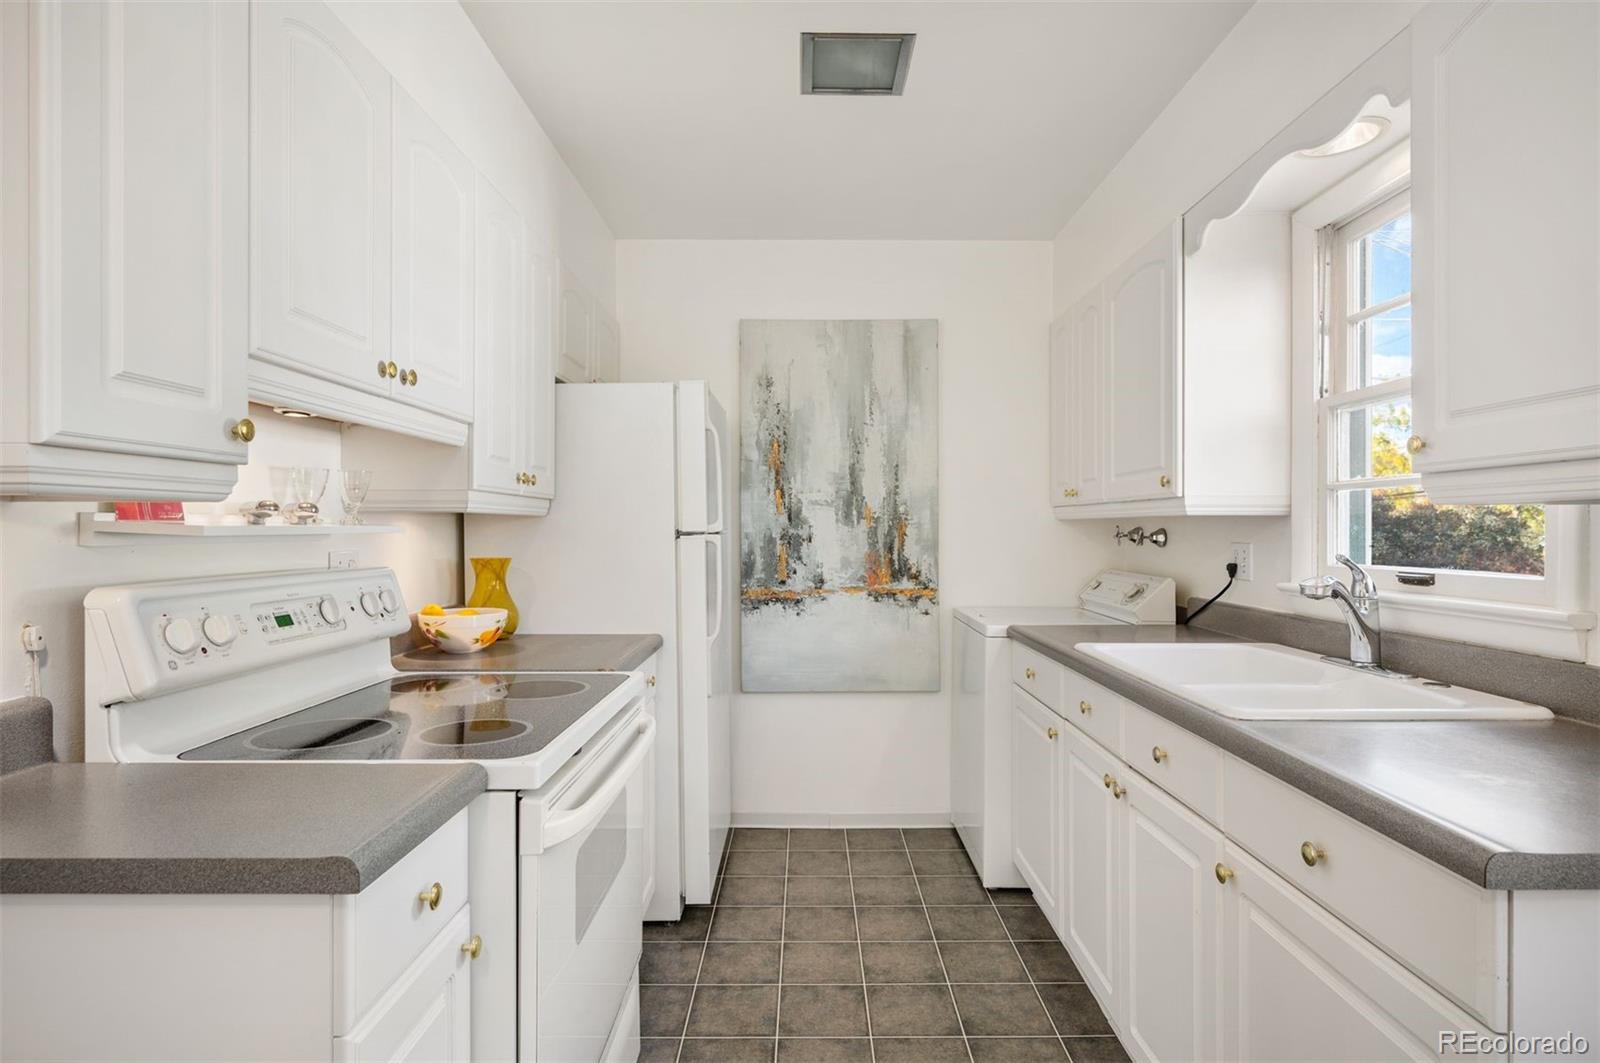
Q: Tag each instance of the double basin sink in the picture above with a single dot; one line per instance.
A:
(1253, 681)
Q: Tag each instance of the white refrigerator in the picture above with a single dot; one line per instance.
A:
(634, 543)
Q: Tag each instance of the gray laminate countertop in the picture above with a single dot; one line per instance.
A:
(536, 653)
(1506, 805)
(220, 828)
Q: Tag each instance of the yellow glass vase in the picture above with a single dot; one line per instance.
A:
(489, 588)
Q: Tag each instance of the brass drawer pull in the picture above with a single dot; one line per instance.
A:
(1312, 853)
(1084, 707)
(1117, 790)
(1053, 734)
(432, 896)
(1158, 754)
(1028, 672)
(1224, 873)
(1107, 779)
(473, 947)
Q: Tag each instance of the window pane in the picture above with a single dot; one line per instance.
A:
(1399, 527)
(1371, 440)
(1383, 345)
(1384, 261)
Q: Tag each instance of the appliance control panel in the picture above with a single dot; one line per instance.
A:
(1131, 597)
(181, 633)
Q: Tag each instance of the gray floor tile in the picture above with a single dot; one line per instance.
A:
(821, 963)
(931, 838)
(879, 862)
(942, 862)
(982, 961)
(806, 838)
(1027, 924)
(670, 962)
(740, 963)
(1016, 1050)
(1008, 897)
(692, 927)
(1001, 1011)
(726, 1050)
(874, 838)
(734, 1011)
(879, 891)
(814, 891)
(820, 924)
(662, 1009)
(1075, 1010)
(912, 1010)
(1096, 1050)
(889, 962)
(920, 1049)
(893, 924)
(823, 1011)
(824, 1050)
(658, 1050)
(759, 838)
(819, 863)
(952, 889)
(747, 891)
(756, 862)
(748, 924)
(1048, 961)
(966, 923)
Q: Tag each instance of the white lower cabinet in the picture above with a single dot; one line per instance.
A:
(427, 1014)
(1091, 896)
(1035, 799)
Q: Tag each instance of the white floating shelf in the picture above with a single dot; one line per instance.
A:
(103, 529)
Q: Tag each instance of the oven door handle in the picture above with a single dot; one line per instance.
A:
(563, 825)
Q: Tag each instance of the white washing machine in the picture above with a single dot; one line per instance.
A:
(980, 749)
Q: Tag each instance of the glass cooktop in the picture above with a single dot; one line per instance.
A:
(422, 716)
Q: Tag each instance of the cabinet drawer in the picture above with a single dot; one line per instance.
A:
(1096, 710)
(1037, 674)
(1452, 933)
(1187, 767)
(382, 929)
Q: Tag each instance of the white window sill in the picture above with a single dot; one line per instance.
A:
(1538, 629)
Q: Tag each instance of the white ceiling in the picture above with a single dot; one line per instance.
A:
(686, 119)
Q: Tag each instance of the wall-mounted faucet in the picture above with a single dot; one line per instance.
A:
(1360, 607)
(1138, 536)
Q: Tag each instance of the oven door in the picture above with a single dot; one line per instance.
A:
(581, 902)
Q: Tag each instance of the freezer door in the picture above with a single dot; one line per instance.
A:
(702, 459)
(704, 678)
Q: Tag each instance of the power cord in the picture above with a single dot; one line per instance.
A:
(1233, 570)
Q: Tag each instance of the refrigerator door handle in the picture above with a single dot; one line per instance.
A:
(716, 453)
(716, 627)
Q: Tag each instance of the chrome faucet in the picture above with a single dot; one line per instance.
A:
(1360, 606)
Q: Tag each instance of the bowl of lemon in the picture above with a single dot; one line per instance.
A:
(463, 630)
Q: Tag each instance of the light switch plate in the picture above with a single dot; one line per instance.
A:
(341, 559)
(1241, 557)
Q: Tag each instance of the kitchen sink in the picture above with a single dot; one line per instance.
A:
(1253, 681)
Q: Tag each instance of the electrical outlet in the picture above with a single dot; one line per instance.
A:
(1241, 557)
(341, 559)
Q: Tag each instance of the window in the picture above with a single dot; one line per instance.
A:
(1374, 508)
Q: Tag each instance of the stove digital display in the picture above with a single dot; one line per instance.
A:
(284, 620)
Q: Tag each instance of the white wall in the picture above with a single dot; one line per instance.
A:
(800, 757)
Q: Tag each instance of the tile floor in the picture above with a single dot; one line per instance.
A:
(877, 945)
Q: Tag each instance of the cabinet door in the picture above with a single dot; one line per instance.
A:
(140, 270)
(1062, 456)
(540, 414)
(1173, 918)
(607, 348)
(434, 223)
(426, 1016)
(1298, 984)
(1507, 345)
(1036, 800)
(319, 197)
(1085, 361)
(575, 362)
(499, 440)
(1142, 407)
(1091, 879)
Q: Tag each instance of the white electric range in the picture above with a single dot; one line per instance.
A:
(295, 666)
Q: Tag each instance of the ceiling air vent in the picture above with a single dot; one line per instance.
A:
(855, 64)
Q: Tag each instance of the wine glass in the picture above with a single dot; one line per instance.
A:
(353, 485)
(306, 486)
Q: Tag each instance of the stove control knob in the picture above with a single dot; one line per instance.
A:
(329, 608)
(390, 603)
(369, 603)
(179, 636)
(219, 630)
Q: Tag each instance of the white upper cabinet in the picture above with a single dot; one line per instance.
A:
(130, 384)
(433, 264)
(499, 440)
(539, 419)
(1507, 345)
(1143, 347)
(575, 363)
(1075, 363)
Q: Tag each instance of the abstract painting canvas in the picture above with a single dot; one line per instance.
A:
(839, 505)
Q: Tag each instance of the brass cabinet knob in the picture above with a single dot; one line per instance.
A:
(1158, 754)
(1311, 853)
(432, 896)
(650, 682)
(1224, 873)
(533, 479)
(1107, 779)
(1084, 707)
(1415, 444)
(522, 477)
(1052, 734)
(473, 947)
(1117, 790)
(1166, 481)
(1028, 672)
(383, 369)
(391, 370)
(1069, 492)
(244, 430)
(411, 377)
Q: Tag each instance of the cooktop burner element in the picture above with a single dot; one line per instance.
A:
(445, 716)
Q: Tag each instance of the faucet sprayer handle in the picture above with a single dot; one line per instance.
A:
(1360, 583)
(1318, 587)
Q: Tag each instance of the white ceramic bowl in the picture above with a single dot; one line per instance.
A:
(463, 630)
